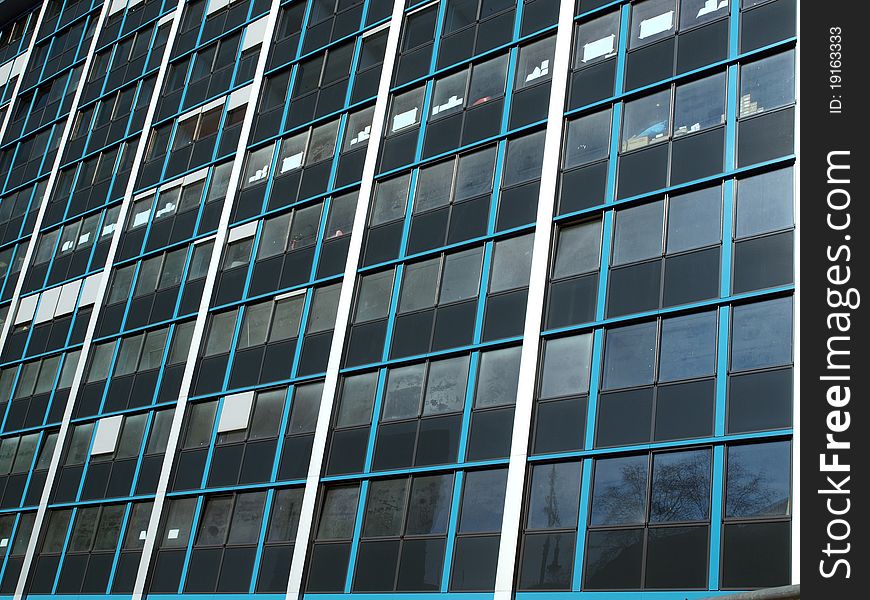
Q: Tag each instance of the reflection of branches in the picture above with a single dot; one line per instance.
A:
(552, 506)
(682, 490)
(750, 494)
(622, 500)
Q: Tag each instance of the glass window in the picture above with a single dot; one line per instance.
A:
(651, 20)
(55, 532)
(525, 156)
(578, 249)
(140, 212)
(238, 253)
(619, 492)
(461, 278)
(761, 334)
(357, 399)
(200, 261)
(566, 366)
(267, 414)
(255, 324)
(588, 139)
(483, 501)
(646, 120)
(699, 104)
(323, 308)
(498, 377)
(765, 202)
(596, 40)
(405, 110)
(200, 424)
(273, 240)
(758, 480)
(445, 386)
(695, 219)
(403, 394)
(449, 95)
(303, 231)
(511, 263)
(629, 355)
(535, 63)
(159, 435)
(83, 529)
(767, 84)
(681, 486)
(173, 266)
(79, 444)
(338, 514)
(341, 213)
(305, 406)
(286, 508)
(419, 286)
(322, 145)
(390, 199)
(474, 175)
(385, 509)
(434, 186)
(554, 496)
(247, 518)
(688, 347)
(286, 318)
(429, 507)
(176, 531)
(137, 527)
(487, 81)
(181, 342)
(638, 233)
(215, 521)
(220, 334)
(258, 166)
(374, 296)
(292, 152)
(696, 12)
(359, 128)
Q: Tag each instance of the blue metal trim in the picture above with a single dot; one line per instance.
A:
(607, 226)
(582, 520)
(473, 366)
(285, 418)
(375, 419)
(640, 448)
(128, 508)
(357, 530)
(716, 512)
(194, 526)
(594, 385)
(452, 527)
(261, 540)
(722, 353)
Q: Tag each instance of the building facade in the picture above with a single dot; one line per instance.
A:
(478, 298)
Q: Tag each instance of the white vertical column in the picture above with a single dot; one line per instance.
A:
(202, 314)
(348, 283)
(796, 400)
(26, 60)
(52, 178)
(104, 276)
(512, 516)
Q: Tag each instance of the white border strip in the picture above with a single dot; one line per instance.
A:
(512, 516)
(796, 328)
(103, 277)
(4, 331)
(31, 248)
(348, 283)
(202, 314)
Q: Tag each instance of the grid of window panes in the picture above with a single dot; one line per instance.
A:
(660, 438)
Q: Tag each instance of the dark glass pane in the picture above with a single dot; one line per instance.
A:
(756, 555)
(758, 480)
(554, 496)
(474, 563)
(760, 401)
(547, 561)
(676, 558)
(619, 492)
(614, 559)
(560, 425)
(420, 565)
(680, 486)
(376, 566)
(763, 262)
(684, 410)
(624, 418)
